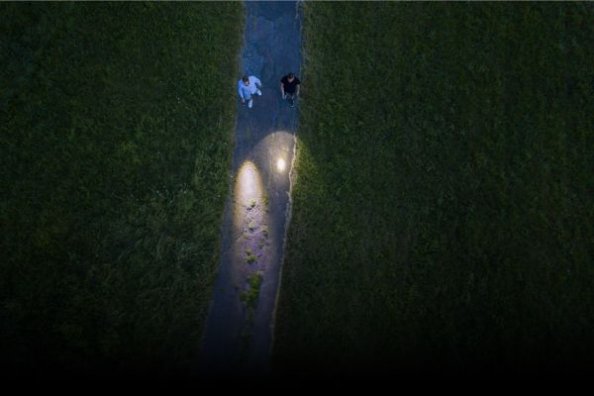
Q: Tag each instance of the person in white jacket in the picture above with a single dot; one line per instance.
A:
(248, 86)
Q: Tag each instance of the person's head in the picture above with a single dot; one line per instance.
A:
(245, 79)
(291, 77)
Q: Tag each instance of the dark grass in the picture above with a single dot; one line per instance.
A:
(443, 215)
(116, 143)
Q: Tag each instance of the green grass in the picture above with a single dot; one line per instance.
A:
(116, 143)
(250, 258)
(443, 213)
(251, 294)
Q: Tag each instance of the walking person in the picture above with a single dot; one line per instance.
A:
(247, 87)
(290, 88)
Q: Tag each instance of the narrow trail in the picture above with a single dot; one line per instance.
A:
(238, 334)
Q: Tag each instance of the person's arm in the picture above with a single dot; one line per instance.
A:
(283, 89)
(298, 88)
(257, 82)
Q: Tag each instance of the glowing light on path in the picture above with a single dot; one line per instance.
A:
(249, 192)
(281, 165)
(249, 184)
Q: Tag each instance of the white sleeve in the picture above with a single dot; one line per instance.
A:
(257, 81)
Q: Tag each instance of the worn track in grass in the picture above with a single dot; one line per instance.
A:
(238, 333)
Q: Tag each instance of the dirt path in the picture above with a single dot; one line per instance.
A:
(238, 334)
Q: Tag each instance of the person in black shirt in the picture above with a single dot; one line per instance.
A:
(290, 88)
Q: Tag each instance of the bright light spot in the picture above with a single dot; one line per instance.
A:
(281, 165)
(249, 184)
(248, 195)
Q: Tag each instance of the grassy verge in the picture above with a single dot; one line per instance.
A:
(116, 140)
(443, 209)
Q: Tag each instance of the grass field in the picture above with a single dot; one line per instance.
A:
(443, 217)
(116, 133)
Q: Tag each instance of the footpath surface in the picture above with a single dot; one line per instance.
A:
(238, 334)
